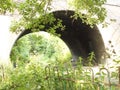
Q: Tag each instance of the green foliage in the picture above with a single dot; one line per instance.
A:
(115, 68)
(68, 78)
(35, 76)
(29, 77)
(35, 14)
(91, 59)
(90, 11)
(56, 76)
(6, 6)
(113, 63)
(40, 46)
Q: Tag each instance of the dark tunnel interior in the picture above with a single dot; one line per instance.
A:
(79, 37)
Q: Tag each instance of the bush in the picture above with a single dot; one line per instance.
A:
(56, 76)
(40, 46)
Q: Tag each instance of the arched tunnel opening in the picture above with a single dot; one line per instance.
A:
(79, 37)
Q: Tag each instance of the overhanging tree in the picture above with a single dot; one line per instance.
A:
(34, 14)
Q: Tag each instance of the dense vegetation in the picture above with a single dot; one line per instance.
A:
(42, 47)
(34, 14)
(32, 53)
(56, 76)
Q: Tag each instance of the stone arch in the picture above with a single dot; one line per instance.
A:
(80, 37)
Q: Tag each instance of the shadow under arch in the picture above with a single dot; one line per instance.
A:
(79, 37)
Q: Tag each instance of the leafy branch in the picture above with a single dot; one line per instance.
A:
(34, 14)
